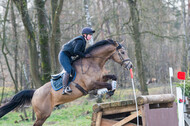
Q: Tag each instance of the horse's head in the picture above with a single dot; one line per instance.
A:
(109, 49)
(120, 56)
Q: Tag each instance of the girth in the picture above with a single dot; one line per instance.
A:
(80, 88)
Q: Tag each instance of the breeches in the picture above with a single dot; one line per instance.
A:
(65, 61)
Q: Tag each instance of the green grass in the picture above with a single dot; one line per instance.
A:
(76, 113)
(11, 118)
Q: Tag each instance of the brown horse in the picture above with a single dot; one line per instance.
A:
(89, 76)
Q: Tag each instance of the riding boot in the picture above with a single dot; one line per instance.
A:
(66, 88)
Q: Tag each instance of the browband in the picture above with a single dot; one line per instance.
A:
(119, 46)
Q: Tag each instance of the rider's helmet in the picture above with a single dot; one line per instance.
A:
(87, 30)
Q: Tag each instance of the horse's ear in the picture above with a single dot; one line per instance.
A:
(115, 43)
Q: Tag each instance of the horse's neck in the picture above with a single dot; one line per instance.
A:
(102, 57)
(99, 57)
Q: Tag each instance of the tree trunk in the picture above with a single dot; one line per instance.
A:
(53, 40)
(88, 18)
(184, 66)
(116, 13)
(138, 48)
(43, 40)
(15, 40)
(188, 36)
(54, 4)
(33, 54)
(3, 78)
(100, 19)
(5, 46)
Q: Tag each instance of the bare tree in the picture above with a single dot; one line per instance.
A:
(33, 53)
(3, 79)
(138, 46)
(185, 41)
(87, 15)
(43, 40)
(188, 34)
(5, 50)
(153, 34)
(55, 29)
(15, 41)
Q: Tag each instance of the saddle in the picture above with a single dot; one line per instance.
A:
(56, 80)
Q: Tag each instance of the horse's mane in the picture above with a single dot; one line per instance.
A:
(99, 44)
(96, 45)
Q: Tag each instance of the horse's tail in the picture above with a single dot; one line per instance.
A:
(21, 98)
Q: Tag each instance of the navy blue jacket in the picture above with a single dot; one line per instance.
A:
(75, 47)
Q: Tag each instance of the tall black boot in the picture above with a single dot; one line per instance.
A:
(66, 88)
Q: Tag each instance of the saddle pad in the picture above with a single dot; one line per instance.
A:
(57, 83)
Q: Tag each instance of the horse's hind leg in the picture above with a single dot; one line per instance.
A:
(42, 109)
(41, 116)
(40, 121)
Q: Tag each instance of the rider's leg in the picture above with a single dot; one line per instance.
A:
(65, 61)
(66, 88)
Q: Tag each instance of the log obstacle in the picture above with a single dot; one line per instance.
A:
(154, 110)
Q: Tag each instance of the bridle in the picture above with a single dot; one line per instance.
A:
(120, 56)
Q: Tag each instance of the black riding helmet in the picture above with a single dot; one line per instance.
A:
(87, 30)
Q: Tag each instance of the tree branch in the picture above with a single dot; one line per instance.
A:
(4, 46)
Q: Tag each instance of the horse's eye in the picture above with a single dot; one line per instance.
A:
(122, 52)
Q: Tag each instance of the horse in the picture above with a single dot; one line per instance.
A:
(89, 76)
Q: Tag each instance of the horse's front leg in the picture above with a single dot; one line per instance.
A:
(106, 78)
(99, 85)
(104, 84)
(109, 77)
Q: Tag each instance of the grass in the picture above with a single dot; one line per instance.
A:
(76, 113)
(70, 115)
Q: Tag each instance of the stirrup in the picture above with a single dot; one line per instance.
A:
(67, 90)
(63, 93)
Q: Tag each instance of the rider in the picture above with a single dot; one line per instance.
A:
(74, 47)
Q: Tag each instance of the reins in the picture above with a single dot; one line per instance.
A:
(117, 50)
(120, 56)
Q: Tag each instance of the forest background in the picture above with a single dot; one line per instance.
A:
(155, 33)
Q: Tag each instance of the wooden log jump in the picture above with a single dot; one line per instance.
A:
(154, 110)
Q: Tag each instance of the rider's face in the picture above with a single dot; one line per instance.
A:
(89, 37)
